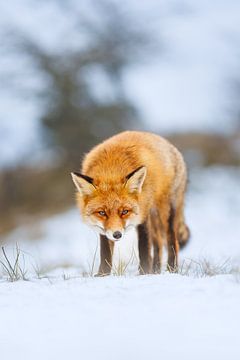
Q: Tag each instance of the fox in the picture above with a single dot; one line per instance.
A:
(135, 180)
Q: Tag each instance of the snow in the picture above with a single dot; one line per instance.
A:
(67, 314)
(122, 318)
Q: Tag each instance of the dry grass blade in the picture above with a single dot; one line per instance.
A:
(93, 262)
(14, 271)
(204, 267)
(121, 268)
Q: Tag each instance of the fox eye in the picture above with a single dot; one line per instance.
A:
(124, 212)
(102, 213)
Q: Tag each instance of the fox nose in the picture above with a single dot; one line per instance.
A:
(117, 234)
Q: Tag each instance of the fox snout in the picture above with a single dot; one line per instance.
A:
(114, 235)
(117, 235)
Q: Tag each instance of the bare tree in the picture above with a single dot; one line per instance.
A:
(73, 117)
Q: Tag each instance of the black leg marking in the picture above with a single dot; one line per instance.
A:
(105, 256)
(156, 259)
(172, 243)
(145, 265)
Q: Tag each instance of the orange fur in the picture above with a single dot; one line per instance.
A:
(160, 192)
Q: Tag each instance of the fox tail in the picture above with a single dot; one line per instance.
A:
(183, 235)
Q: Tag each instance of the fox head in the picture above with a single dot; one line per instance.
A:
(113, 207)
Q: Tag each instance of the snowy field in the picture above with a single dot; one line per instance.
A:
(63, 312)
(148, 317)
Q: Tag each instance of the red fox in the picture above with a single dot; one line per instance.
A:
(135, 179)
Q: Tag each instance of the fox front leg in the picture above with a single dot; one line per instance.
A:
(106, 251)
(145, 259)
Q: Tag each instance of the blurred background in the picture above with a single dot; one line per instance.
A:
(75, 72)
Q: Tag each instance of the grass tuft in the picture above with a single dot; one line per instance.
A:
(14, 269)
(206, 268)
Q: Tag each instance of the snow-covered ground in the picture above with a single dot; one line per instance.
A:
(63, 314)
(150, 317)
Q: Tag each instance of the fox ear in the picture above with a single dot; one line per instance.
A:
(136, 179)
(83, 183)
